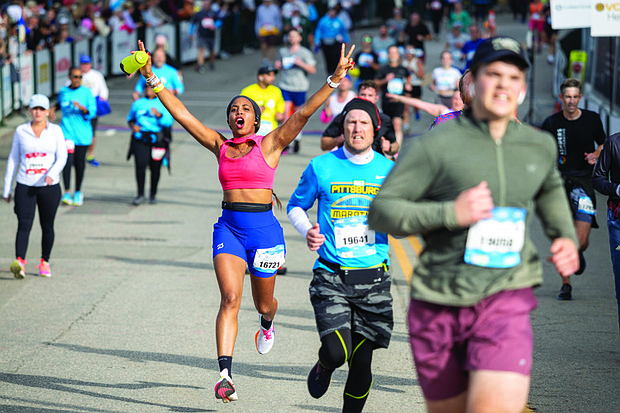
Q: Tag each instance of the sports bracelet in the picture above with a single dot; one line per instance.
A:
(332, 84)
(153, 80)
(158, 88)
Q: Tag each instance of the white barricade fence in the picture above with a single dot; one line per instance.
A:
(26, 75)
(46, 72)
(62, 65)
(7, 95)
(188, 51)
(43, 72)
(121, 45)
(168, 30)
(80, 48)
(99, 54)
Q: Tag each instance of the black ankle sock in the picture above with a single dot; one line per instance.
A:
(265, 324)
(225, 362)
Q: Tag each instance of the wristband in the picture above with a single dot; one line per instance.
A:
(150, 79)
(332, 84)
(158, 88)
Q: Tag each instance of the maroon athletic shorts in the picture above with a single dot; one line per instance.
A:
(447, 342)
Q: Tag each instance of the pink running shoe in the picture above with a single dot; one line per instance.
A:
(225, 389)
(44, 268)
(264, 338)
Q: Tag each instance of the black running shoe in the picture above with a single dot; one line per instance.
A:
(318, 380)
(565, 293)
(582, 264)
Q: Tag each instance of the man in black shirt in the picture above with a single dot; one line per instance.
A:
(576, 132)
(385, 139)
(394, 78)
(415, 33)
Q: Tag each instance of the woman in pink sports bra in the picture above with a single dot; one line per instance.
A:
(247, 234)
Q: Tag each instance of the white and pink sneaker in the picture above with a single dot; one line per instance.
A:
(264, 338)
(225, 389)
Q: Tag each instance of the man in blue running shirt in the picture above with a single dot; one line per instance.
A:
(350, 290)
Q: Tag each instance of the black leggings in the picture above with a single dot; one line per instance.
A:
(341, 346)
(27, 198)
(142, 156)
(77, 159)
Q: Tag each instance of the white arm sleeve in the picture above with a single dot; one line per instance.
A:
(300, 221)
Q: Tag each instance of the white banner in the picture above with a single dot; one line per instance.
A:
(605, 18)
(121, 45)
(189, 50)
(43, 71)
(99, 54)
(62, 65)
(570, 14)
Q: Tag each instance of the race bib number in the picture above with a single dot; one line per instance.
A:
(37, 163)
(382, 56)
(208, 23)
(158, 153)
(269, 259)
(70, 145)
(288, 62)
(353, 237)
(365, 60)
(395, 86)
(497, 242)
(585, 205)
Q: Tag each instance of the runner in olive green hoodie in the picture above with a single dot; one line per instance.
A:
(469, 187)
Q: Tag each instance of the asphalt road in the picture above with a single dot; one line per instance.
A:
(126, 323)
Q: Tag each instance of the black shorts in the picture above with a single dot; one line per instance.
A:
(416, 92)
(393, 109)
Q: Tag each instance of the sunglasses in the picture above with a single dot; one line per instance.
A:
(76, 77)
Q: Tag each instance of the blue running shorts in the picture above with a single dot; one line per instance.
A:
(256, 237)
(298, 98)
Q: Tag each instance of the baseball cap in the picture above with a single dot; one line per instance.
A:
(39, 101)
(266, 69)
(84, 59)
(500, 48)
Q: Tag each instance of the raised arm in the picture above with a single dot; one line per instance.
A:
(205, 136)
(434, 109)
(282, 136)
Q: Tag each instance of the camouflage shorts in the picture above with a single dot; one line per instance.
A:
(365, 309)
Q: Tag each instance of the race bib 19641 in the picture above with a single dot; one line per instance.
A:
(497, 242)
(353, 237)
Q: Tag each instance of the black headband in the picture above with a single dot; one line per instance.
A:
(254, 105)
(365, 105)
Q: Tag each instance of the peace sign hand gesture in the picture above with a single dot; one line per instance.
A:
(344, 65)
